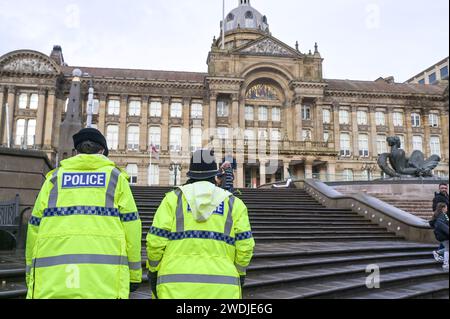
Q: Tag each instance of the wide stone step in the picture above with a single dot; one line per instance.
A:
(331, 282)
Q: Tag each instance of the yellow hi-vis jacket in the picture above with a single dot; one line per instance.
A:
(200, 244)
(84, 236)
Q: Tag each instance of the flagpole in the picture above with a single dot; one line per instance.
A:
(223, 25)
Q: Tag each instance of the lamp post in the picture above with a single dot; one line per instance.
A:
(175, 168)
(369, 168)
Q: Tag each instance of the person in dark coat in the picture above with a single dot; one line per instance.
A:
(441, 197)
(441, 229)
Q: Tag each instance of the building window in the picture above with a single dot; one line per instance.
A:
(133, 138)
(134, 108)
(222, 108)
(275, 135)
(23, 101)
(362, 118)
(153, 175)
(249, 21)
(344, 117)
(432, 78)
(380, 119)
(306, 135)
(262, 134)
(435, 145)
(176, 110)
(114, 107)
(34, 101)
(345, 145)
(422, 81)
(306, 113)
(249, 113)
(326, 116)
(20, 132)
(196, 139)
(363, 142)
(326, 137)
(402, 140)
(155, 109)
(249, 135)
(155, 137)
(381, 144)
(222, 133)
(434, 120)
(348, 175)
(196, 111)
(31, 133)
(417, 143)
(276, 114)
(175, 139)
(415, 119)
(112, 136)
(132, 171)
(397, 119)
(444, 72)
(263, 116)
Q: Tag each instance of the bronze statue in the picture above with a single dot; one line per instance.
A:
(402, 166)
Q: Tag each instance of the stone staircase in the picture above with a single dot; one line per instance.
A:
(418, 207)
(303, 250)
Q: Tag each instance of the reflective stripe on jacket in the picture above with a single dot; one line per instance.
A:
(84, 237)
(199, 260)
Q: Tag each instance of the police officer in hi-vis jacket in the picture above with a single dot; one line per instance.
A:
(84, 236)
(201, 241)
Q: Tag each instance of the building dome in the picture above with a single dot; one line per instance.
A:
(245, 17)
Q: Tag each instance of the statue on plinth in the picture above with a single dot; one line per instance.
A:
(416, 166)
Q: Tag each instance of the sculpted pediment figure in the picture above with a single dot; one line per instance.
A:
(269, 47)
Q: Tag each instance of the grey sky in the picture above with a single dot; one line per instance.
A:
(359, 39)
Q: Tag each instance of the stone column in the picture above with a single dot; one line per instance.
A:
(262, 173)
(242, 114)
(235, 111)
(40, 118)
(331, 170)
(409, 132)
(123, 122)
(298, 119)
(445, 139)
(287, 114)
(2, 112)
(213, 111)
(319, 121)
(355, 129)
(205, 129)
(373, 133)
(102, 113)
(143, 132)
(427, 138)
(390, 120)
(286, 164)
(142, 175)
(185, 138)
(49, 139)
(309, 168)
(165, 125)
(240, 175)
(11, 100)
(337, 128)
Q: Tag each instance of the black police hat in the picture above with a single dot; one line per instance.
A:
(93, 135)
(203, 165)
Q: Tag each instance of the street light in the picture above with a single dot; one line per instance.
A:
(369, 168)
(175, 168)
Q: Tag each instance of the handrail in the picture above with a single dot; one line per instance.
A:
(372, 202)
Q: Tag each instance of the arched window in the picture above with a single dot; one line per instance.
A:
(262, 92)
(249, 20)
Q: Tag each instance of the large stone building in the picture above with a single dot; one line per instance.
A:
(434, 74)
(266, 99)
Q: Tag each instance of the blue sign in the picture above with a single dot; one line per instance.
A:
(84, 180)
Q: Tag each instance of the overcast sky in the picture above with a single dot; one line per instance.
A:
(359, 39)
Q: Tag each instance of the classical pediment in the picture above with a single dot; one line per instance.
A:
(28, 62)
(268, 46)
